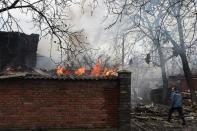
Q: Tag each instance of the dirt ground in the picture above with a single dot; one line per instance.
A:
(154, 118)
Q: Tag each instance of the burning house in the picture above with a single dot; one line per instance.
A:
(32, 100)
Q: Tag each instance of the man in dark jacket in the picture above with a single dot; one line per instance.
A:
(176, 100)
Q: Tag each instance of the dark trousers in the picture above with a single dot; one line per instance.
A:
(179, 110)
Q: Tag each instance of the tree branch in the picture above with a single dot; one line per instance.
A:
(10, 7)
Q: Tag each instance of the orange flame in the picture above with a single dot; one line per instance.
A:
(109, 72)
(60, 71)
(96, 70)
(80, 71)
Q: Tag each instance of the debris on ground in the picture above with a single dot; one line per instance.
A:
(154, 118)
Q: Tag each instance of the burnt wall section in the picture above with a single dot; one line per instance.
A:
(18, 49)
(45, 104)
(125, 101)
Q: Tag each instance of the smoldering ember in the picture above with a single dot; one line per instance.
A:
(98, 65)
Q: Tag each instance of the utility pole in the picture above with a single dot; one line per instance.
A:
(123, 49)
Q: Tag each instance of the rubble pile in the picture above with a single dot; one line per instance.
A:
(154, 118)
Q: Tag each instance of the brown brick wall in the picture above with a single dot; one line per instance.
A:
(184, 86)
(26, 103)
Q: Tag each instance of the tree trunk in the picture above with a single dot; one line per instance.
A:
(186, 68)
(188, 77)
(163, 71)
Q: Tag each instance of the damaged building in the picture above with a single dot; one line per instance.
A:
(38, 100)
(18, 50)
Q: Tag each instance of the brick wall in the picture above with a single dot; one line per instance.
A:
(54, 103)
(67, 104)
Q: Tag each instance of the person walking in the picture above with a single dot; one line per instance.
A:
(176, 104)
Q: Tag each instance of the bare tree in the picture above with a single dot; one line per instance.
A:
(183, 14)
(50, 17)
(159, 21)
(148, 26)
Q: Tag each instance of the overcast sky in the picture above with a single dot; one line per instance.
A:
(93, 26)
